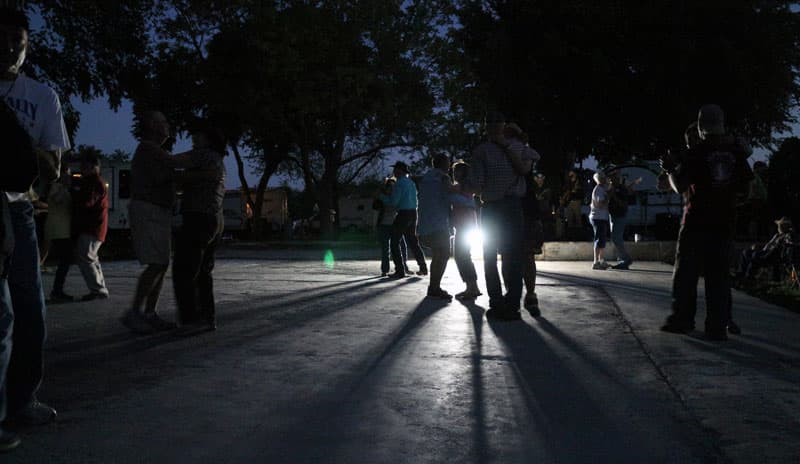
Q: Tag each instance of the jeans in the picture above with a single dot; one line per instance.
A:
(600, 227)
(707, 250)
(502, 226)
(405, 227)
(384, 233)
(192, 266)
(63, 250)
(6, 331)
(618, 237)
(23, 299)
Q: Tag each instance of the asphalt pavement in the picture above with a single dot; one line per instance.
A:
(319, 360)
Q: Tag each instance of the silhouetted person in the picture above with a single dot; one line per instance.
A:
(598, 218)
(465, 223)
(709, 177)
(201, 229)
(434, 220)
(571, 200)
(404, 199)
(383, 228)
(152, 200)
(498, 175)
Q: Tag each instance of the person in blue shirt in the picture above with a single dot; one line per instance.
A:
(404, 199)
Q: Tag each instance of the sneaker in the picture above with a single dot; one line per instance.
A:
(503, 315)
(733, 328)
(422, 272)
(60, 297)
(8, 440)
(135, 322)
(623, 266)
(35, 413)
(396, 275)
(155, 321)
(600, 265)
(439, 293)
(531, 304)
(94, 296)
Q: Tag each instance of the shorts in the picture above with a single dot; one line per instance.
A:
(151, 231)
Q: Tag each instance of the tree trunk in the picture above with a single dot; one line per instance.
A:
(258, 220)
(245, 188)
(327, 203)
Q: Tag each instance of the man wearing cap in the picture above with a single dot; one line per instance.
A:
(37, 110)
(404, 199)
(752, 258)
(498, 175)
(712, 174)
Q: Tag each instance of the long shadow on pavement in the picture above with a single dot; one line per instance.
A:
(575, 426)
(134, 362)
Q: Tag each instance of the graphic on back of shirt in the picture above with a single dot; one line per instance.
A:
(721, 166)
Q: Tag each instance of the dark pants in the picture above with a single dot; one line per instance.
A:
(26, 367)
(63, 250)
(502, 226)
(405, 227)
(384, 233)
(705, 250)
(463, 257)
(192, 265)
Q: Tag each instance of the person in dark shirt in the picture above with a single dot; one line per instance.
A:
(712, 174)
(201, 230)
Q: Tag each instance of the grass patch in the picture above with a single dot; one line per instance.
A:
(777, 293)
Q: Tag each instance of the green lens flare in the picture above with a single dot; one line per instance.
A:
(328, 259)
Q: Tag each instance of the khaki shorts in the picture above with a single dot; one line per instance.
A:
(151, 230)
(439, 240)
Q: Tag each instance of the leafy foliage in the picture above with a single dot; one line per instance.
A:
(619, 78)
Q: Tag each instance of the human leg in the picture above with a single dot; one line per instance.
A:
(684, 283)
(717, 285)
(26, 366)
(8, 440)
(61, 249)
(193, 238)
(86, 255)
(617, 224)
(205, 285)
(491, 226)
(412, 242)
(384, 236)
(510, 247)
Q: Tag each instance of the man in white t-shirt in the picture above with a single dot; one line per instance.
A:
(38, 111)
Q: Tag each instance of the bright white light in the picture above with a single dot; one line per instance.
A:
(475, 240)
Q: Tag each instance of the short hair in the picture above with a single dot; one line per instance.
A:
(14, 17)
(599, 177)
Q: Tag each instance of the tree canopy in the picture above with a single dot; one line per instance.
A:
(326, 88)
(614, 78)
